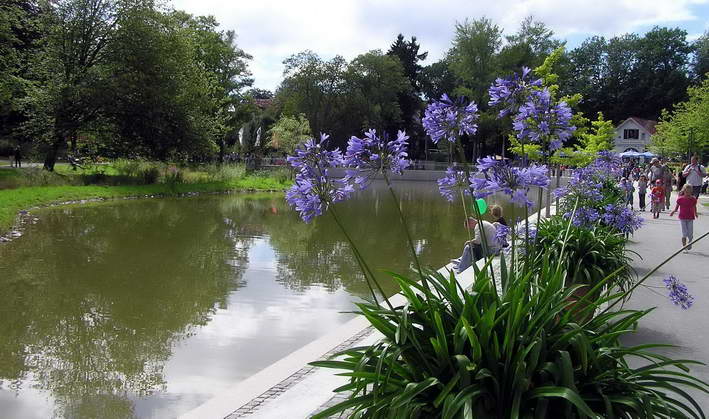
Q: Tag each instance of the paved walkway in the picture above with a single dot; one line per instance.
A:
(669, 324)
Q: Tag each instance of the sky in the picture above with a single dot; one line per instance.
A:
(272, 30)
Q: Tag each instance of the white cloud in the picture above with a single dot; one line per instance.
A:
(272, 30)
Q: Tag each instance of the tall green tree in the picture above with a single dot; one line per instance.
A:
(79, 33)
(686, 128)
(377, 82)
(21, 37)
(700, 62)
(313, 87)
(410, 103)
(473, 56)
(528, 47)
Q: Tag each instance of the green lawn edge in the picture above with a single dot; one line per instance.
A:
(12, 201)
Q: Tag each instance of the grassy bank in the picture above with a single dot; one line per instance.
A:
(14, 200)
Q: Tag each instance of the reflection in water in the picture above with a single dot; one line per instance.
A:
(147, 308)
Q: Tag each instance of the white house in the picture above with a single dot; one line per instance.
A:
(634, 134)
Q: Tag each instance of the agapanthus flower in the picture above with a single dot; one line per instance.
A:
(587, 183)
(679, 295)
(512, 92)
(583, 216)
(501, 233)
(453, 183)
(314, 190)
(513, 181)
(621, 218)
(540, 120)
(448, 119)
(371, 155)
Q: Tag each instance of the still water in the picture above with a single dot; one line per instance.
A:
(147, 308)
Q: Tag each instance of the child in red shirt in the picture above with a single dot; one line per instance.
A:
(687, 205)
(657, 195)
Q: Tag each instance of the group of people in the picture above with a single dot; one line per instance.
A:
(691, 181)
(658, 178)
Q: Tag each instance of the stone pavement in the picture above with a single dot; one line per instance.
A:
(669, 324)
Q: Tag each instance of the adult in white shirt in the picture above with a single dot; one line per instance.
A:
(473, 249)
(695, 172)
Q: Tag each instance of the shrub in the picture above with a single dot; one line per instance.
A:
(173, 175)
(591, 252)
(450, 353)
(226, 172)
(149, 175)
(130, 168)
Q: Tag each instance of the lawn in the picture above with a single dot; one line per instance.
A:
(24, 197)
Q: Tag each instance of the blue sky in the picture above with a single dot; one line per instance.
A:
(272, 30)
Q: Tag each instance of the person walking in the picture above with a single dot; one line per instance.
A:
(687, 206)
(642, 191)
(667, 177)
(654, 172)
(18, 157)
(657, 198)
(694, 172)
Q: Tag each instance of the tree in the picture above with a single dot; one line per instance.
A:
(410, 101)
(20, 40)
(473, 56)
(437, 79)
(700, 63)
(377, 82)
(289, 132)
(686, 128)
(78, 34)
(313, 87)
(528, 47)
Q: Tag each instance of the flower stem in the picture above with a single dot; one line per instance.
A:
(406, 230)
(652, 271)
(368, 275)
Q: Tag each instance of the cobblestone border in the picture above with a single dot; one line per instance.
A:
(280, 388)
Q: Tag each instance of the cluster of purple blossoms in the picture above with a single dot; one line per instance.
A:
(513, 181)
(535, 116)
(621, 218)
(583, 216)
(501, 234)
(588, 182)
(453, 183)
(368, 156)
(539, 120)
(446, 119)
(313, 190)
(678, 292)
(511, 93)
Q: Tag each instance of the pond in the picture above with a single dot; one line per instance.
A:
(147, 308)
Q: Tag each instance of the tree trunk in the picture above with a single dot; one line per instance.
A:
(51, 157)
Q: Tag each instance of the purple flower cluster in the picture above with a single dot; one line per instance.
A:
(513, 181)
(536, 117)
(501, 233)
(453, 183)
(583, 216)
(678, 292)
(313, 190)
(588, 182)
(541, 121)
(621, 218)
(511, 93)
(366, 157)
(449, 120)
